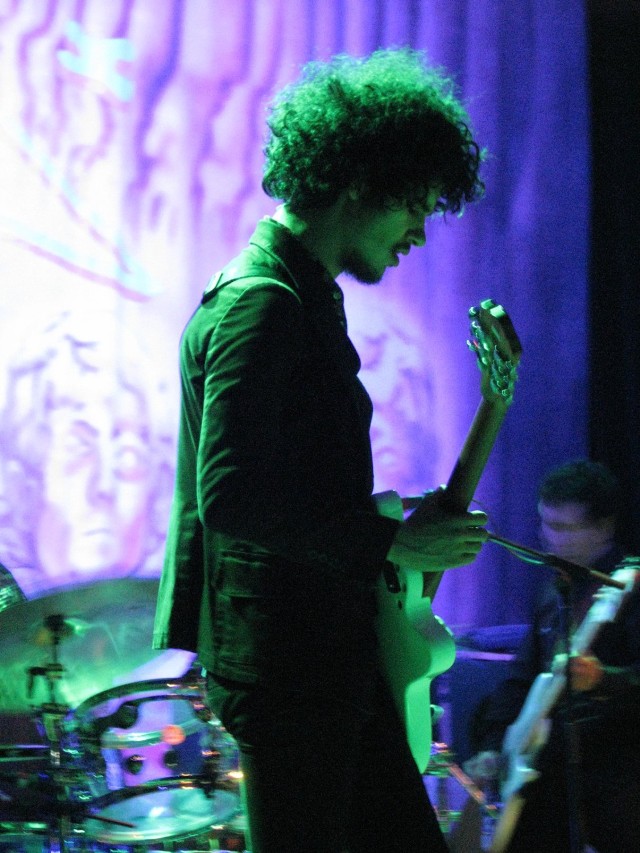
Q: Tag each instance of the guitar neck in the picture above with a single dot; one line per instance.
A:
(475, 452)
(468, 469)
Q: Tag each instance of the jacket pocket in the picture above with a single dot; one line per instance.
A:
(245, 614)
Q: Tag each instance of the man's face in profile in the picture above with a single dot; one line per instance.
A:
(97, 488)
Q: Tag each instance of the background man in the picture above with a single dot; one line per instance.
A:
(578, 504)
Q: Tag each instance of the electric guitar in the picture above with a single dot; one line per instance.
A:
(415, 645)
(525, 738)
(528, 734)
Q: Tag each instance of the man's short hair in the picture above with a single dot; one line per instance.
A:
(388, 123)
(584, 482)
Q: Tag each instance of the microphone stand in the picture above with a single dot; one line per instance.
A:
(567, 573)
(573, 571)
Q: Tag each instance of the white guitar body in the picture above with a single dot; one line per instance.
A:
(415, 645)
(528, 734)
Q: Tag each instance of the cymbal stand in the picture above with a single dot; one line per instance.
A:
(478, 806)
(50, 715)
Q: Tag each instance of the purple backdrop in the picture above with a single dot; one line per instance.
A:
(130, 144)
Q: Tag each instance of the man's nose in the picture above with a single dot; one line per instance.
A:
(102, 477)
(417, 235)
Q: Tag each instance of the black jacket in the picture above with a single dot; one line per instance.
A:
(274, 544)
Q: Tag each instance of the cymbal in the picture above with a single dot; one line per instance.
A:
(66, 646)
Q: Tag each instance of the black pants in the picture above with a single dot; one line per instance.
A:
(323, 776)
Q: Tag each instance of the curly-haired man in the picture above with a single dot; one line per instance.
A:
(275, 545)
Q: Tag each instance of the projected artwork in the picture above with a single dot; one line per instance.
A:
(87, 455)
(398, 375)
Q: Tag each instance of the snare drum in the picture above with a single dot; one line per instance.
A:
(152, 756)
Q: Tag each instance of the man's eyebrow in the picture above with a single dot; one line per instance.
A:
(84, 427)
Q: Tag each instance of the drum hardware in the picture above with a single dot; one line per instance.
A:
(54, 629)
(99, 633)
(50, 795)
(465, 814)
(116, 728)
(171, 769)
(167, 810)
(23, 752)
(120, 764)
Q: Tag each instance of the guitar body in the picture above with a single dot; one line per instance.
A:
(415, 645)
(413, 653)
(524, 738)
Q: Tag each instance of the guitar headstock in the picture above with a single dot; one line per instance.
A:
(497, 348)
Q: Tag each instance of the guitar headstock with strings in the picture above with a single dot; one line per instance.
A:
(497, 348)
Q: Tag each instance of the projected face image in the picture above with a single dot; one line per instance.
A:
(97, 483)
(87, 461)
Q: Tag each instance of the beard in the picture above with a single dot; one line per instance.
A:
(355, 266)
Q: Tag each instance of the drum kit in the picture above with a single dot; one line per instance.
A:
(94, 756)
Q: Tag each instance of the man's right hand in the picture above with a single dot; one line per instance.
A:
(483, 767)
(433, 538)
